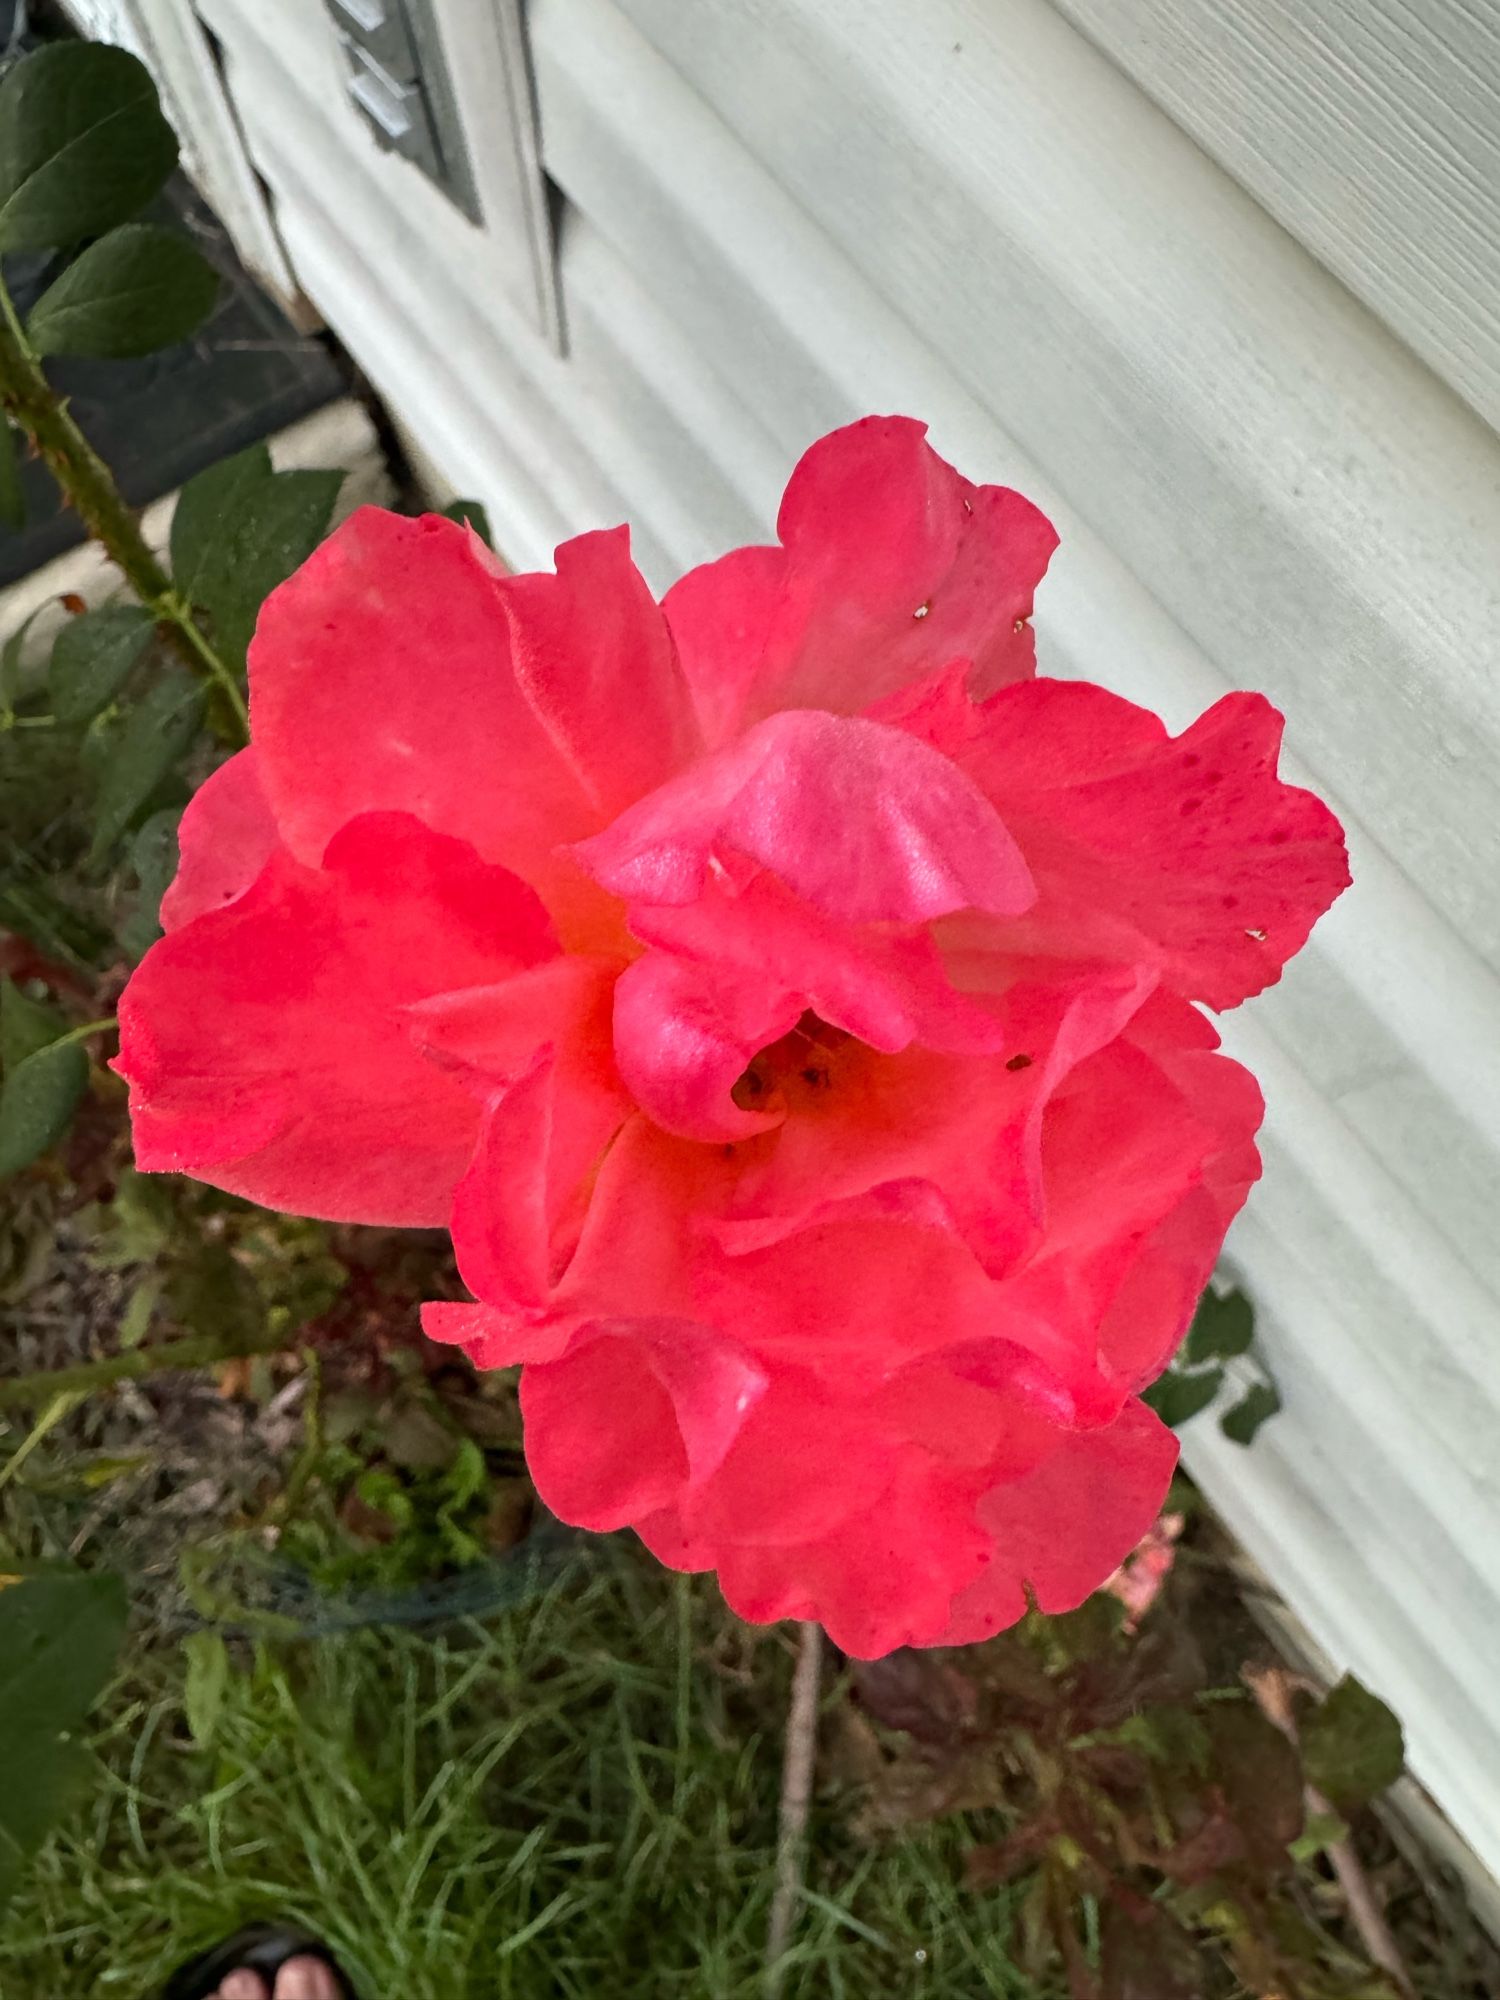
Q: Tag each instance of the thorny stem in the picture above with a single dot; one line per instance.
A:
(197, 1351)
(31, 403)
(796, 1794)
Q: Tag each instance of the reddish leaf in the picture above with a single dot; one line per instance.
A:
(1150, 1959)
(1215, 1843)
(997, 1861)
(927, 1697)
(1260, 1776)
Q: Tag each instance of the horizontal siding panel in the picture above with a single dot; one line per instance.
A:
(1314, 508)
(1371, 131)
(426, 317)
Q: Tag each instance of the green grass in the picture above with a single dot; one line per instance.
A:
(576, 1799)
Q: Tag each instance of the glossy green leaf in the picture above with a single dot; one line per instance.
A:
(12, 498)
(156, 733)
(239, 530)
(471, 514)
(1352, 1746)
(135, 290)
(1223, 1327)
(60, 1634)
(92, 657)
(1260, 1402)
(37, 1101)
(1177, 1396)
(83, 144)
(153, 855)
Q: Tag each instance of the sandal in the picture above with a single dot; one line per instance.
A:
(262, 1948)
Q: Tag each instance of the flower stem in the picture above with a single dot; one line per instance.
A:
(199, 1350)
(798, 1760)
(81, 1034)
(89, 488)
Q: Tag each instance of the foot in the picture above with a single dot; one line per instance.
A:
(299, 1979)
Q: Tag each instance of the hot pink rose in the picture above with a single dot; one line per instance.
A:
(787, 998)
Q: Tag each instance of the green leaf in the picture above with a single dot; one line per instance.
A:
(26, 1025)
(135, 290)
(153, 855)
(1176, 1396)
(1223, 1327)
(83, 144)
(156, 733)
(1323, 1830)
(239, 530)
(60, 1634)
(37, 1100)
(1260, 1401)
(204, 1686)
(1352, 1747)
(471, 514)
(92, 657)
(12, 499)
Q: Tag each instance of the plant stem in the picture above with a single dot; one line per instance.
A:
(796, 1794)
(1272, 1688)
(200, 1350)
(88, 486)
(108, 1024)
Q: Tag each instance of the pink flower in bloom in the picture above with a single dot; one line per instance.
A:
(786, 997)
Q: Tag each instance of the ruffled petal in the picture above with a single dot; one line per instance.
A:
(521, 1204)
(1147, 1151)
(1064, 1527)
(966, 1129)
(266, 1046)
(684, 1034)
(401, 669)
(225, 838)
(1185, 853)
(592, 653)
(889, 564)
(864, 822)
(679, 1396)
(881, 1579)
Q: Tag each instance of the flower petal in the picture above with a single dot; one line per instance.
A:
(968, 1128)
(684, 1034)
(400, 668)
(592, 653)
(520, 1205)
(678, 1396)
(866, 823)
(1186, 853)
(890, 564)
(1061, 1529)
(225, 838)
(266, 1046)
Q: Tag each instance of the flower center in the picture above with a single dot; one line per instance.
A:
(800, 1066)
